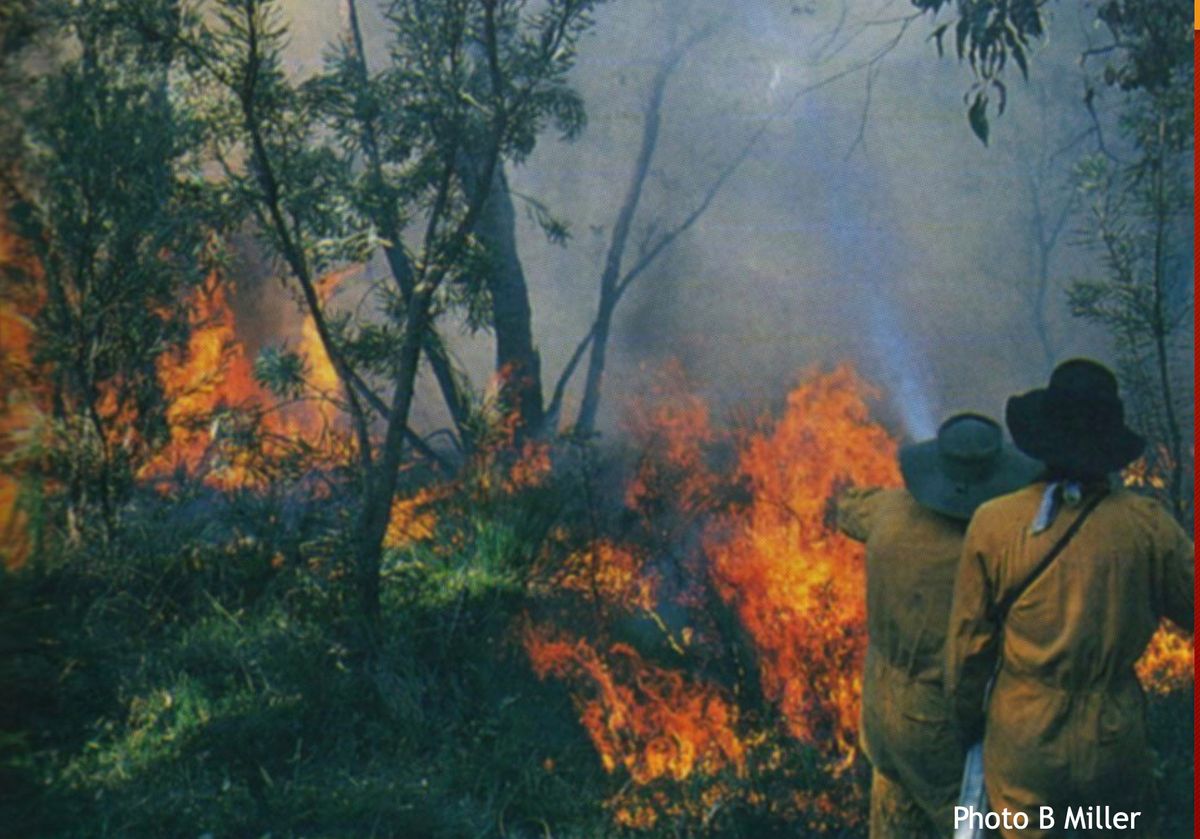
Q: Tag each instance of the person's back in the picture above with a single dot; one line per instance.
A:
(1065, 726)
(911, 555)
(1085, 621)
(1065, 723)
(913, 542)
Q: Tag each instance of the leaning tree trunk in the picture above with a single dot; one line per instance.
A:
(382, 476)
(585, 423)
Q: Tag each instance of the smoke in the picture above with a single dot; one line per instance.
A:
(867, 222)
(906, 378)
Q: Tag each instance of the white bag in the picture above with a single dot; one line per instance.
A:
(972, 793)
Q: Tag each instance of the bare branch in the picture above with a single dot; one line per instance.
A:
(652, 253)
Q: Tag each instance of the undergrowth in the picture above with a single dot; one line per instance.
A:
(202, 677)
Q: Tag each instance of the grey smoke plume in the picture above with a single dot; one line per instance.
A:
(866, 224)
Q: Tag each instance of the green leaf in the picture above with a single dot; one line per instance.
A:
(280, 371)
(977, 117)
(937, 38)
(1018, 54)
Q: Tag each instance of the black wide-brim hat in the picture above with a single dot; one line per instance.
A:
(1076, 425)
(967, 464)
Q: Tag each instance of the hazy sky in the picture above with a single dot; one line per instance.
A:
(868, 223)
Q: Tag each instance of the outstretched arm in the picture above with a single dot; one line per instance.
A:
(855, 507)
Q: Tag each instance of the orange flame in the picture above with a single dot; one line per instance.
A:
(321, 375)
(609, 572)
(211, 378)
(1168, 663)
(413, 519)
(22, 397)
(674, 425)
(209, 373)
(653, 722)
(796, 583)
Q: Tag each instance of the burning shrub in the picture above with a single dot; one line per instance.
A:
(704, 732)
(797, 585)
(754, 540)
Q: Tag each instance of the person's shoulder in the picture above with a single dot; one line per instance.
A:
(870, 497)
(1143, 510)
(1000, 514)
(1019, 503)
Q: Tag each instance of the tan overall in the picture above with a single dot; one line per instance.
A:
(905, 728)
(1065, 723)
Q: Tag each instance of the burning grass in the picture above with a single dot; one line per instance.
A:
(651, 721)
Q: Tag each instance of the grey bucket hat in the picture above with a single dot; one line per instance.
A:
(967, 464)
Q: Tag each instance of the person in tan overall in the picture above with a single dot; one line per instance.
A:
(1057, 638)
(913, 541)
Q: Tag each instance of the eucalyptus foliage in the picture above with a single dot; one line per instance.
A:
(352, 160)
(103, 183)
(1138, 218)
(1150, 41)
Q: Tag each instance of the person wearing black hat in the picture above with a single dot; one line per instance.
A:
(913, 541)
(1060, 587)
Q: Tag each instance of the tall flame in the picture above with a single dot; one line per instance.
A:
(210, 372)
(210, 379)
(798, 585)
(795, 585)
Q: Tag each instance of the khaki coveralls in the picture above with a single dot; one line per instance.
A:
(905, 728)
(1065, 723)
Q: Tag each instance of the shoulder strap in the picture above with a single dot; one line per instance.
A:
(1015, 593)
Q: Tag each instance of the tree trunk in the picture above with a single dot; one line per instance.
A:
(380, 483)
(435, 350)
(1160, 328)
(386, 220)
(517, 360)
(585, 423)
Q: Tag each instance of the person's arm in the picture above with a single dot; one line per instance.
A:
(972, 640)
(855, 507)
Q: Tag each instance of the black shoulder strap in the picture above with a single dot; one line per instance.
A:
(1015, 593)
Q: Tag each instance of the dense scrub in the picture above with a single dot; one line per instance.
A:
(202, 678)
(202, 681)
